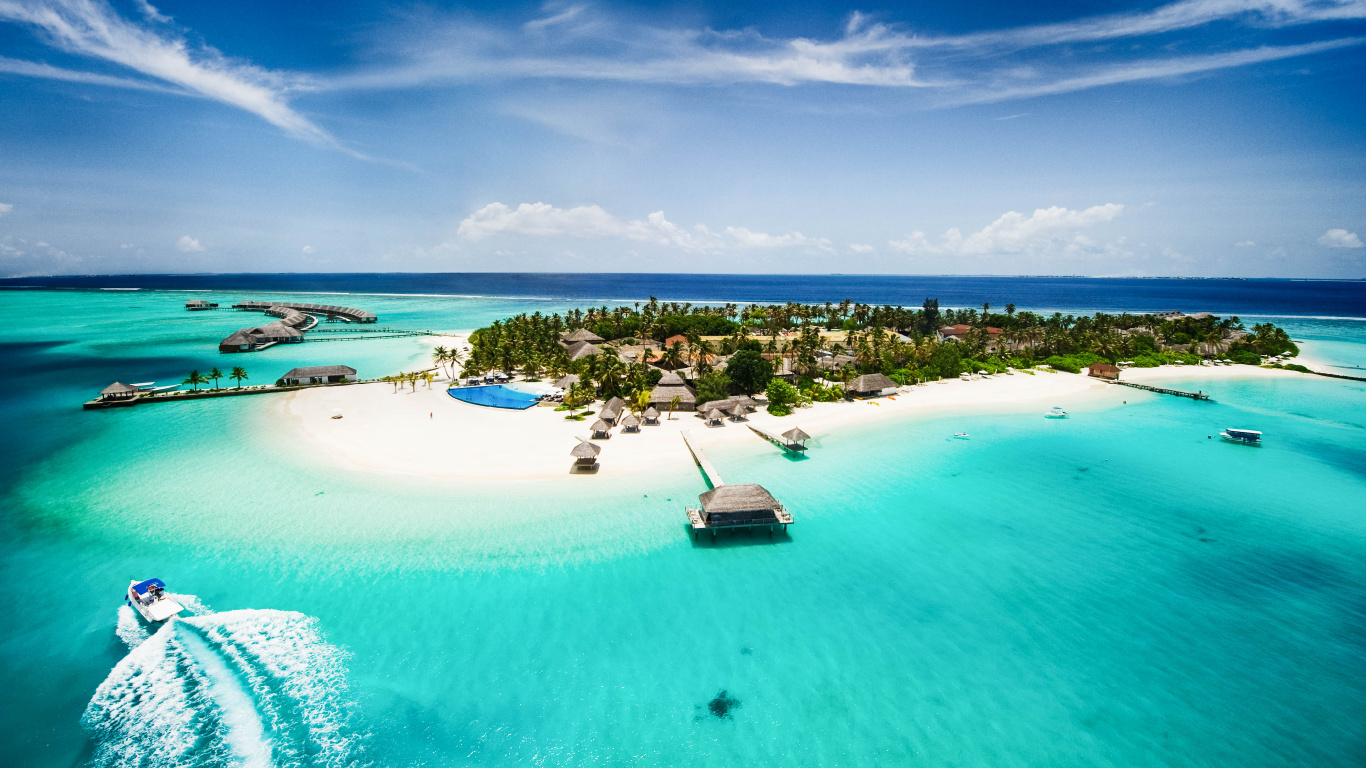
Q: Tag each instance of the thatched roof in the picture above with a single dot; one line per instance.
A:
(582, 334)
(870, 382)
(744, 497)
(238, 339)
(795, 435)
(671, 379)
(601, 426)
(581, 349)
(319, 370)
(651, 413)
(666, 395)
(585, 450)
(630, 421)
(615, 405)
(118, 388)
(1103, 366)
(715, 414)
(566, 381)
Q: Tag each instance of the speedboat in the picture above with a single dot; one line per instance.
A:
(149, 599)
(1244, 436)
(961, 435)
(1056, 413)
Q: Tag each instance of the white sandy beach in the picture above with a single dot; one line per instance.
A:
(431, 434)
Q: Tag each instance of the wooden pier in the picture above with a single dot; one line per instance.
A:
(1164, 390)
(709, 471)
(178, 395)
(790, 446)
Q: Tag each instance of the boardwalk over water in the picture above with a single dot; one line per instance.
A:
(713, 477)
(1163, 390)
(777, 440)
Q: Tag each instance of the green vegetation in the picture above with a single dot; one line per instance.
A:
(782, 397)
(837, 342)
(238, 374)
(195, 378)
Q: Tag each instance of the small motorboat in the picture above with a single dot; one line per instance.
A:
(149, 599)
(1244, 436)
(961, 435)
(1056, 413)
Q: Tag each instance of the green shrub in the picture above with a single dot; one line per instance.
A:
(781, 397)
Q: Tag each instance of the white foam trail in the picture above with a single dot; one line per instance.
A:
(131, 630)
(249, 687)
(244, 732)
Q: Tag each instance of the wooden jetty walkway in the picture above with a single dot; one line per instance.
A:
(791, 446)
(1163, 390)
(713, 477)
(178, 395)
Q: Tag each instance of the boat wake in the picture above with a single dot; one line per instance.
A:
(240, 688)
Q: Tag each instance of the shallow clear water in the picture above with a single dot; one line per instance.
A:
(1111, 589)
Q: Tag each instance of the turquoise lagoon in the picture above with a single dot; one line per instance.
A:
(1116, 589)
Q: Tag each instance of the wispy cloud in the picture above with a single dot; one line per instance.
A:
(1340, 238)
(542, 220)
(93, 29)
(187, 244)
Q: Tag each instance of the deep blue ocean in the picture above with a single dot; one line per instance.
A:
(1326, 298)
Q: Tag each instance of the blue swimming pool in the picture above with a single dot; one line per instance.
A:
(494, 396)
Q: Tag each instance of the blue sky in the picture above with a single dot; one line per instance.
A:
(1200, 137)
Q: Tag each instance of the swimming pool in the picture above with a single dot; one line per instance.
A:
(494, 396)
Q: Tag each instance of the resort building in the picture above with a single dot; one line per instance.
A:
(745, 505)
(601, 430)
(260, 337)
(677, 338)
(119, 391)
(870, 385)
(629, 423)
(581, 349)
(318, 374)
(1104, 371)
(569, 338)
(960, 333)
(566, 381)
(670, 386)
(195, 305)
(585, 456)
(330, 311)
(293, 320)
(651, 416)
(611, 410)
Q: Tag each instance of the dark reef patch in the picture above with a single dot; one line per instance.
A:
(722, 705)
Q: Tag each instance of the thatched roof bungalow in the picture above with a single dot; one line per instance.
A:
(318, 374)
(651, 416)
(581, 349)
(119, 391)
(570, 338)
(566, 381)
(585, 455)
(715, 417)
(629, 423)
(670, 386)
(744, 505)
(601, 430)
(869, 385)
(611, 410)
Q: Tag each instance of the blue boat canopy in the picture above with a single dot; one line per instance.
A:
(142, 586)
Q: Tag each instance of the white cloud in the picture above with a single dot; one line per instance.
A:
(1340, 238)
(1046, 229)
(861, 248)
(6, 208)
(1245, 244)
(592, 222)
(187, 244)
(94, 29)
(310, 249)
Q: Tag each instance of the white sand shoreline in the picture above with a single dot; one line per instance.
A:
(427, 433)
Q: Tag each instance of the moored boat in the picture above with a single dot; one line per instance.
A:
(961, 435)
(1244, 436)
(150, 600)
(1056, 413)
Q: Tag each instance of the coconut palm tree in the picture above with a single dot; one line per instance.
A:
(440, 356)
(196, 379)
(427, 376)
(239, 373)
(674, 356)
(673, 406)
(215, 374)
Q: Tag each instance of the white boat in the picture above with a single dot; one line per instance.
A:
(961, 435)
(1244, 436)
(149, 599)
(1056, 413)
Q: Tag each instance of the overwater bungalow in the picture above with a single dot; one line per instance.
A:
(670, 386)
(629, 423)
(585, 456)
(318, 374)
(119, 391)
(601, 430)
(331, 311)
(870, 385)
(196, 305)
(651, 416)
(249, 339)
(745, 505)
(796, 438)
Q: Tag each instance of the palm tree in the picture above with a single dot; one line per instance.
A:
(440, 355)
(673, 356)
(427, 376)
(673, 406)
(215, 374)
(239, 373)
(196, 379)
